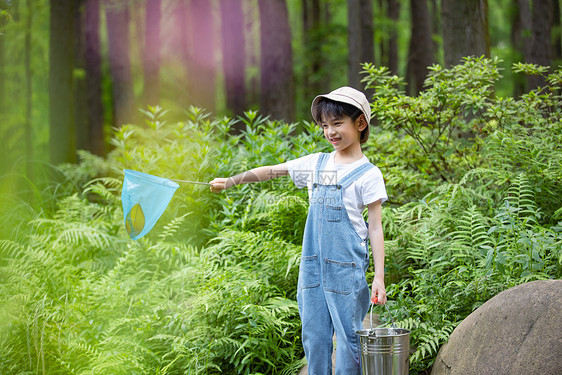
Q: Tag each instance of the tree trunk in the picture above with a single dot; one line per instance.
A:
(421, 46)
(360, 39)
(92, 65)
(203, 70)
(151, 53)
(383, 46)
(252, 33)
(393, 12)
(520, 31)
(61, 95)
(80, 84)
(179, 46)
(434, 13)
(557, 40)
(465, 29)
(28, 92)
(276, 65)
(233, 56)
(3, 22)
(540, 50)
(326, 20)
(117, 19)
(313, 40)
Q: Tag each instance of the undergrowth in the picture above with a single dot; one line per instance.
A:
(475, 208)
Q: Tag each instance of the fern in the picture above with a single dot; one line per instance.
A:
(171, 228)
(430, 340)
(471, 237)
(521, 198)
(107, 188)
(424, 245)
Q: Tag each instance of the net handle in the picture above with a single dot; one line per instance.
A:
(192, 182)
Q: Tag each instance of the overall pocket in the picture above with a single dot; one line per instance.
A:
(309, 272)
(333, 213)
(338, 277)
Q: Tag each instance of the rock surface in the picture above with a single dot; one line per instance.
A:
(519, 331)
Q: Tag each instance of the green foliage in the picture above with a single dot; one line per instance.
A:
(79, 297)
(457, 255)
(493, 225)
(476, 207)
(444, 119)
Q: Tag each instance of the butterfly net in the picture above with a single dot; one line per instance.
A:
(145, 198)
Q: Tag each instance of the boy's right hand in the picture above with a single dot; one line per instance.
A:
(220, 184)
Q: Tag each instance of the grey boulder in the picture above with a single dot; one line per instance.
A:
(519, 331)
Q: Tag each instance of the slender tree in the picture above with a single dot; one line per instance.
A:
(117, 19)
(360, 39)
(92, 66)
(556, 26)
(421, 45)
(326, 22)
(233, 55)
(61, 95)
(179, 45)
(541, 48)
(382, 39)
(393, 12)
(435, 13)
(313, 39)
(28, 89)
(202, 73)
(80, 85)
(465, 29)
(520, 33)
(276, 70)
(151, 53)
(3, 22)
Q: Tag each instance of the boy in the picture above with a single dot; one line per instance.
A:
(333, 294)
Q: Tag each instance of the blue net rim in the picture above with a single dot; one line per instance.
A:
(151, 178)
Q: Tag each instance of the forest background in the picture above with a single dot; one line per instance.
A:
(470, 148)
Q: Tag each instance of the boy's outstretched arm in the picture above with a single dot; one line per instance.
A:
(377, 245)
(259, 174)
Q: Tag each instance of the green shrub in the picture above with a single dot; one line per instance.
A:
(475, 207)
(493, 223)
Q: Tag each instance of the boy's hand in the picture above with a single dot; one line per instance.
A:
(378, 293)
(220, 184)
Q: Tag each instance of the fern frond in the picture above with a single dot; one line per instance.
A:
(78, 234)
(471, 174)
(294, 367)
(409, 323)
(521, 197)
(107, 188)
(424, 245)
(471, 235)
(10, 248)
(430, 341)
(172, 227)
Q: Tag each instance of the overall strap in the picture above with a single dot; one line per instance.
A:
(322, 160)
(355, 174)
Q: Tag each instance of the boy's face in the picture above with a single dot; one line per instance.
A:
(342, 132)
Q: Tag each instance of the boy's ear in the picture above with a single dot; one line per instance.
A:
(362, 122)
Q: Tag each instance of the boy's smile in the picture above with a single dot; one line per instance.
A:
(341, 132)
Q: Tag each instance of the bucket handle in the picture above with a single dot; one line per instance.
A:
(373, 302)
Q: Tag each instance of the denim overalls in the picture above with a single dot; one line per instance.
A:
(332, 290)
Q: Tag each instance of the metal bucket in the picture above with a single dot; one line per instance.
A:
(385, 351)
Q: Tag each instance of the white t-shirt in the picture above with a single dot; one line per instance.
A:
(366, 189)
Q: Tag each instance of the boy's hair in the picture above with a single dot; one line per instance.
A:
(327, 107)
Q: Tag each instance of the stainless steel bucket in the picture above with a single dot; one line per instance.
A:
(385, 351)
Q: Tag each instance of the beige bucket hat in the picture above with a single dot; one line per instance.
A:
(347, 95)
(351, 96)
